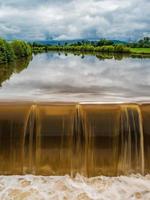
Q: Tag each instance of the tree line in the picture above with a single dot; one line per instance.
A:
(10, 51)
(102, 45)
(85, 46)
(142, 43)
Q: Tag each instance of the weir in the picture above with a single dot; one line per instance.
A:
(59, 139)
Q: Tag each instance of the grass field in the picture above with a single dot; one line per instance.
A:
(140, 50)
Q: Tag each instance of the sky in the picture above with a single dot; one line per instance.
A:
(74, 19)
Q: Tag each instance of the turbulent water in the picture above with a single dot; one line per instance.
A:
(80, 188)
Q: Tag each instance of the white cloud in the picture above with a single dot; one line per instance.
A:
(74, 19)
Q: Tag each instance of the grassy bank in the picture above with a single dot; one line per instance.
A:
(140, 50)
(84, 48)
(9, 51)
(140, 47)
(133, 52)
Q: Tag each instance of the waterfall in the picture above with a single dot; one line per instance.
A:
(131, 141)
(59, 138)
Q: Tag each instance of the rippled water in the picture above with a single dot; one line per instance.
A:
(79, 188)
(60, 77)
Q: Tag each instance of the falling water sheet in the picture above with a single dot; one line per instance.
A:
(59, 139)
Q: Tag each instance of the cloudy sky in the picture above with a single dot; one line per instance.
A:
(74, 19)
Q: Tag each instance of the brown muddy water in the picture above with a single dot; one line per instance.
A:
(81, 115)
(59, 139)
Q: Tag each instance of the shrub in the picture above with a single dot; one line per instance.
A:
(21, 48)
(121, 49)
(6, 52)
(110, 48)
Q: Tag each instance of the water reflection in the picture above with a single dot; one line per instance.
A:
(66, 77)
(6, 70)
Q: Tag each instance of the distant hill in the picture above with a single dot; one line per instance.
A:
(57, 42)
(62, 42)
(119, 42)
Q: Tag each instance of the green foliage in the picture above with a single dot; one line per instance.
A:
(85, 48)
(95, 47)
(140, 50)
(143, 43)
(105, 49)
(21, 48)
(104, 42)
(6, 52)
(11, 50)
(121, 49)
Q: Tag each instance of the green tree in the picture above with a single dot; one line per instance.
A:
(21, 48)
(6, 52)
(104, 42)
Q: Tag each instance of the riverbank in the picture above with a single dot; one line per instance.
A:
(84, 48)
(127, 52)
(140, 50)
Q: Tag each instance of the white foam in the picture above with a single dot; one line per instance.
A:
(80, 188)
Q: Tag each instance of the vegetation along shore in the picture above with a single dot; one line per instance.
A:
(10, 51)
(142, 47)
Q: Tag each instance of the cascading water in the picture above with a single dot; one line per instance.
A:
(58, 139)
(131, 140)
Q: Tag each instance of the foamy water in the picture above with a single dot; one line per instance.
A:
(80, 188)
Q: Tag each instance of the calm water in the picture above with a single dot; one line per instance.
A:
(59, 77)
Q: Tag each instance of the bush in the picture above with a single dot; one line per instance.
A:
(104, 42)
(21, 48)
(15, 49)
(86, 48)
(143, 43)
(110, 48)
(121, 49)
(6, 52)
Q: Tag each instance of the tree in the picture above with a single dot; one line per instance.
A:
(104, 42)
(6, 52)
(21, 48)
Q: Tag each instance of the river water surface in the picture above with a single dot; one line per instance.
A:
(66, 77)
